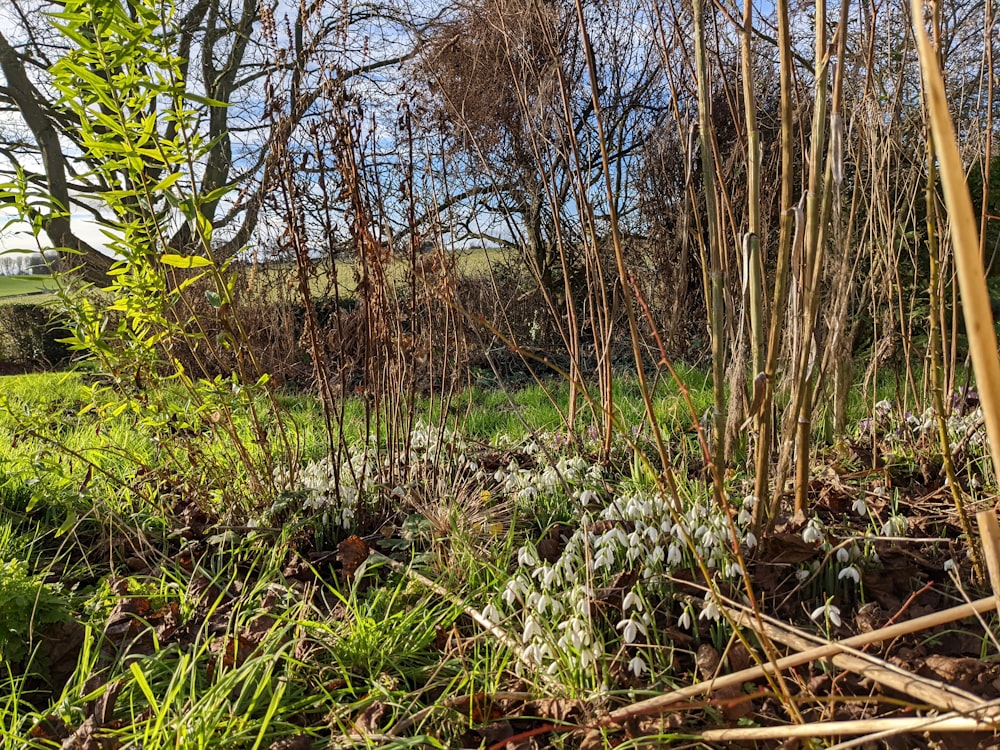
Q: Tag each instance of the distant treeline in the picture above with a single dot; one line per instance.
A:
(19, 263)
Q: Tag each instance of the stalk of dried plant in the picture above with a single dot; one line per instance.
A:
(664, 702)
(968, 261)
(941, 695)
(893, 726)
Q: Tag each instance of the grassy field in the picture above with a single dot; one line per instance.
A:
(242, 589)
(18, 287)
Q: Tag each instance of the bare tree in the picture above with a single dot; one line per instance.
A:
(226, 63)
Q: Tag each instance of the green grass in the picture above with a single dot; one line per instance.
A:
(23, 288)
(243, 636)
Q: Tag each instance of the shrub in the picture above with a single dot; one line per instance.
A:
(31, 333)
(28, 606)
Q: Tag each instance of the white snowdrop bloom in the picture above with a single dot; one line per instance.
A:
(949, 565)
(526, 557)
(711, 610)
(604, 558)
(532, 600)
(749, 502)
(750, 540)
(531, 629)
(550, 576)
(666, 526)
(557, 608)
(883, 407)
(540, 572)
(843, 555)
(652, 534)
(859, 506)
(630, 629)
(801, 575)
(637, 666)
(897, 525)
(632, 600)
(827, 611)
(850, 572)
(880, 491)
(709, 538)
(674, 555)
(684, 621)
(587, 497)
(631, 505)
(491, 613)
(655, 556)
(710, 562)
(544, 603)
(619, 535)
(512, 591)
(529, 492)
(733, 570)
(745, 517)
(813, 532)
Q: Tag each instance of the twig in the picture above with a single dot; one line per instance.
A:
(663, 702)
(949, 723)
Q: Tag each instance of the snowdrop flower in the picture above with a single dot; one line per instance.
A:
(684, 620)
(801, 575)
(655, 556)
(491, 613)
(632, 599)
(630, 629)
(531, 629)
(843, 555)
(674, 555)
(897, 525)
(513, 591)
(587, 497)
(859, 506)
(710, 610)
(850, 572)
(750, 540)
(637, 666)
(526, 557)
(829, 611)
(949, 565)
(813, 532)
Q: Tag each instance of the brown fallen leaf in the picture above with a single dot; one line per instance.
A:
(730, 699)
(88, 736)
(295, 742)
(787, 549)
(351, 553)
(371, 719)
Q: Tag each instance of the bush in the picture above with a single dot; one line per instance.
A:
(30, 333)
(28, 605)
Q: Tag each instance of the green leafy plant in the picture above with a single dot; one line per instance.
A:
(29, 606)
